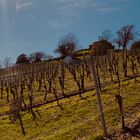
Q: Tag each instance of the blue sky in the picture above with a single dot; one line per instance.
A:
(28, 26)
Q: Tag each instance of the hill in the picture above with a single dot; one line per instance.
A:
(53, 100)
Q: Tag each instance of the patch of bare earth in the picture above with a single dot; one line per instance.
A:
(132, 125)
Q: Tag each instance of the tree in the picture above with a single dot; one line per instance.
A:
(67, 45)
(125, 35)
(21, 59)
(0, 64)
(101, 47)
(7, 61)
(106, 35)
(37, 56)
(135, 47)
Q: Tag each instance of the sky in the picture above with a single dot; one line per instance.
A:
(28, 26)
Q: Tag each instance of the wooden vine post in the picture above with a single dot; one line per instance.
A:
(100, 107)
(119, 100)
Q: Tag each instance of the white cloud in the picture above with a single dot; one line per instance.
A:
(76, 5)
(20, 6)
(107, 9)
(73, 7)
(122, 0)
(69, 10)
(57, 23)
(31, 16)
(13, 23)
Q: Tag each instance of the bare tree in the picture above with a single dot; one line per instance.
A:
(124, 36)
(106, 35)
(1, 63)
(37, 56)
(7, 61)
(22, 59)
(67, 45)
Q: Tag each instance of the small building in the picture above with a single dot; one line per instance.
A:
(71, 60)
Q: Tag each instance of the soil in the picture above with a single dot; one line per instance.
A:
(132, 126)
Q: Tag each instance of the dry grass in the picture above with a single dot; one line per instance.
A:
(77, 120)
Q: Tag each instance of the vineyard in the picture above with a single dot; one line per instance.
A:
(63, 87)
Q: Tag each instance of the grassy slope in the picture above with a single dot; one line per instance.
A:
(77, 119)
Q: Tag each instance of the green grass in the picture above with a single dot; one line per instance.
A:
(77, 120)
